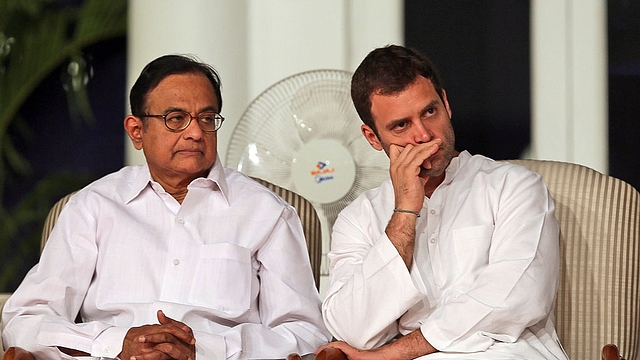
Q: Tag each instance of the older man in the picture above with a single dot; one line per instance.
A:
(176, 259)
(454, 257)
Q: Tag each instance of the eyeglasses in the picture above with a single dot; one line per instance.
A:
(208, 121)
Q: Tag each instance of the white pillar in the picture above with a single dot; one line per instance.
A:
(373, 23)
(290, 36)
(569, 81)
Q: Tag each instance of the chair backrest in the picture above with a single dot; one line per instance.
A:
(306, 212)
(3, 299)
(310, 224)
(599, 290)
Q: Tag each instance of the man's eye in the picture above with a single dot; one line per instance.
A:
(401, 125)
(430, 111)
(176, 118)
(207, 117)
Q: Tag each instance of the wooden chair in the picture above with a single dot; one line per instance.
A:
(308, 217)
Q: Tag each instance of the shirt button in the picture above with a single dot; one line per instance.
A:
(181, 221)
(433, 212)
(176, 261)
(433, 240)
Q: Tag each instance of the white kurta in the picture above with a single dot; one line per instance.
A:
(230, 262)
(484, 276)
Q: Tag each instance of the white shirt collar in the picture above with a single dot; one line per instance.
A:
(215, 180)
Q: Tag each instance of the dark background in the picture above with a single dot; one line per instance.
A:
(481, 49)
(624, 89)
(88, 149)
(74, 151)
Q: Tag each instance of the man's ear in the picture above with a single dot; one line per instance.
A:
(371, 137)
(446, 102)
(133, 126)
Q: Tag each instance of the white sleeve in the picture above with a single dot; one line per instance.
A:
(517, 287)
(290, 317)
(40, 314)
(370, 286)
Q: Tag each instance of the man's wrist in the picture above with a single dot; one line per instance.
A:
(407, 211)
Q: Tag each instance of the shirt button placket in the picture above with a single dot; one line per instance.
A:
(180, 222)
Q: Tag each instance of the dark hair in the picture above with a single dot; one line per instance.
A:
(386, 71)
(160, 68)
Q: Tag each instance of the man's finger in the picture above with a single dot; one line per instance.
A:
(165, 320)
(167, 334)
(185, 334)
(395, 151)
(151, 355)
(175, 351)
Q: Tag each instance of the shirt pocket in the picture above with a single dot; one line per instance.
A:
(223, 279)
(472, 245)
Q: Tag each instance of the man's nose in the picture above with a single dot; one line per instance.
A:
(421, 133)
(193, 130)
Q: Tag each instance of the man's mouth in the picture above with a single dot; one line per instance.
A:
(427, 164)
(189, 151)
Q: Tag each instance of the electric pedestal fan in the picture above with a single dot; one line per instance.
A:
(303, 134)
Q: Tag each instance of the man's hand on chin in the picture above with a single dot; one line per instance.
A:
(408, 168)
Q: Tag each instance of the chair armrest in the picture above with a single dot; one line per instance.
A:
(17, 353)
(610, 352)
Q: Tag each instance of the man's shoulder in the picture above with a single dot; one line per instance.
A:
(501, 174)
(242, 186)
(113, 183)
(486, 165)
